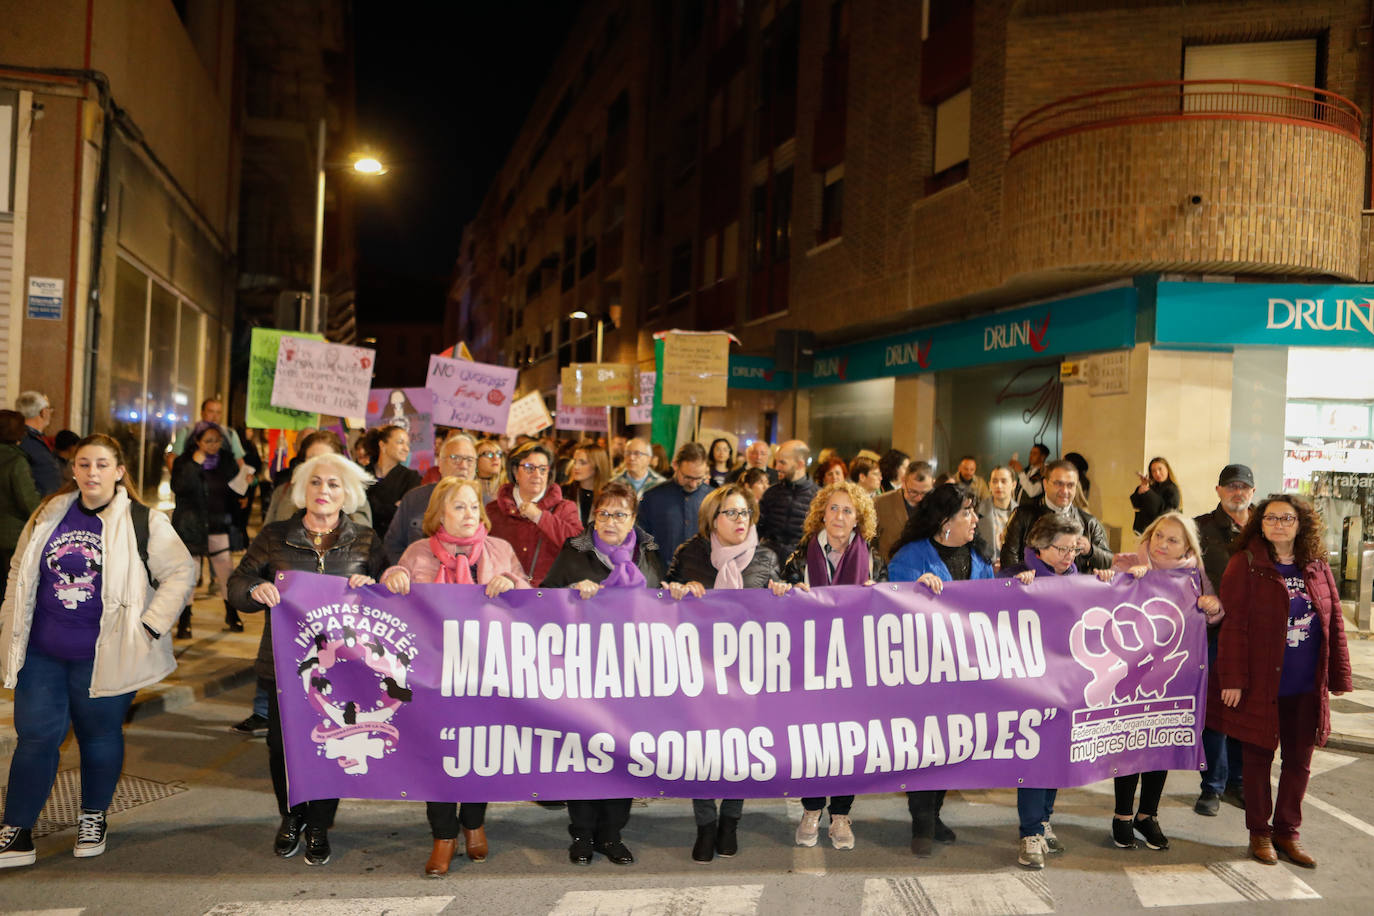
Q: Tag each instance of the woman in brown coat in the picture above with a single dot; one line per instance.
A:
(1281, 654)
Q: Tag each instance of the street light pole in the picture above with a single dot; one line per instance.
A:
(315, 316)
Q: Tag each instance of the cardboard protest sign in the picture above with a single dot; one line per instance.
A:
(471, 395)
(528, 416)
(598, 384)
(643, 411)
(323, 377)
(566, 416)
(696, 368)
(262, 373)
(412, 409)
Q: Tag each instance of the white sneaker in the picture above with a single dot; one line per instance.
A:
(841, 832)
(90, 834)
(1032, 852)
(809, 830)
(1052, 843)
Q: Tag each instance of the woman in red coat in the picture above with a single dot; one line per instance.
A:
(1281, 653)
(531, 513)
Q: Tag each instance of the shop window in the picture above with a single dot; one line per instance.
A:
(832, 204)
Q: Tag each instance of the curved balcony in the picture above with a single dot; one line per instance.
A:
(1233, 176)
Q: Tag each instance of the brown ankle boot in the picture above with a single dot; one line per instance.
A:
(1262, 849)
(476, 843)
(442, 854)
(1292, 850)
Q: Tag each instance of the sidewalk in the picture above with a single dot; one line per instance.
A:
(216, 661)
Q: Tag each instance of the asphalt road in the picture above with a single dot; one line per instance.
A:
(195, 830)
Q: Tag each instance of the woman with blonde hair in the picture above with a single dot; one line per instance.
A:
(1158, 493)
(491, 468)
(589, 471)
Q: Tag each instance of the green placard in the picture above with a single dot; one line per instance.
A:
(262, 372)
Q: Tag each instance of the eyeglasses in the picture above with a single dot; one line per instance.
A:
(488, 455)
(1281, 519)
(539, 470)
(639, 454)
(460, 459)
(1063, 551)
(840, 510)
(734, 515)
(608, 516)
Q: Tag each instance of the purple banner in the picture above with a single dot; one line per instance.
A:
(447, 695)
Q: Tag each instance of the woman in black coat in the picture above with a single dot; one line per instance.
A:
(613, 552)
(1158, 493)
(203, 514)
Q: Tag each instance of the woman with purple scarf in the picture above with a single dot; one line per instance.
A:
(837, 548)
(724, 553)
(613, 552)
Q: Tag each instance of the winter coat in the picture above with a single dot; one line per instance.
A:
(892, 514)
(1254, 635)
(578, 560)
(671, 515)
(405, 528)
(692, 563)
(126, 657)
(536, 545)
(18, 496)
(1161, 497)
(46, 469)
(498, 559)
(782, 512)
(191, 485)
(651, 479)
(285, 546)
(384, 495)
(794, 570)
(1026, 515)
(280, 507)
(917, 558)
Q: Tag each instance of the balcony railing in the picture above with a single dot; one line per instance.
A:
(1179, 100)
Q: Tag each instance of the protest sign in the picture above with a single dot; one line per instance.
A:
(323, 377)
(528, 416)
(696, 368)
(598, 384)
(471, 395)
(262, 374)
(643, 411)
(412, 410)
(444, 694)
(592, 419)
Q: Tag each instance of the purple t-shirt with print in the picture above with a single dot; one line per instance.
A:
(1301, 652)
(66, 614)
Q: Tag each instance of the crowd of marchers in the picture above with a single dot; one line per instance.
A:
(99, 586)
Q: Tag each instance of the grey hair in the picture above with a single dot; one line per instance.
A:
(1050, 526)
(458, 434)
(355, 480)
(31, 403)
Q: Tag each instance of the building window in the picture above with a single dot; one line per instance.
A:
(685, 148)
(832, 204)
(950, 160)
(9, 104)
(782, 216)
(680, 272)
(1293, 62)
(587, 263)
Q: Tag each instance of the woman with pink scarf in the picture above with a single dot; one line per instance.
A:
(458, 551)
(725, 553)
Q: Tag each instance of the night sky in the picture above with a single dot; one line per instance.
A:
(442, 92)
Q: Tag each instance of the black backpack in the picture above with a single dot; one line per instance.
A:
(138, 513)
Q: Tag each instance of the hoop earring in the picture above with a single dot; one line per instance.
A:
(946, 534)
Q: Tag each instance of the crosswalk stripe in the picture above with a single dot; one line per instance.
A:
(1014, 894)
(896, 897)
(1180, 885)
(715, 900)
(76, 912)
(356, 906)
(1263, 882)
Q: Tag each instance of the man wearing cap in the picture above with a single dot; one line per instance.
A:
(1216, 530)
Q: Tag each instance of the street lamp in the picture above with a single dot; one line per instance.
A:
(364, 165)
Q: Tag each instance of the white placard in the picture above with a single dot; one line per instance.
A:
(643, 412)
(528, 415)
(321, 377)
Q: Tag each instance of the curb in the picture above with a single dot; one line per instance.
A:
(1357, 743)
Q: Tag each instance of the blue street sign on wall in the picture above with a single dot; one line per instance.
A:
(1274, 314)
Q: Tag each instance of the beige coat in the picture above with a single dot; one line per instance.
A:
(891, 511)
(126, 657)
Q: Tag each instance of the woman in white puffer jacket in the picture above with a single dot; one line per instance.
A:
(81, 630)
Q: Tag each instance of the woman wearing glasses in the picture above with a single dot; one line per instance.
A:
(837, 548)
(613, 552)
(457, 550)
(939, 544)
(491, 470)
(1280, 655)
(531, 513)
(589, 472)
(724, 553)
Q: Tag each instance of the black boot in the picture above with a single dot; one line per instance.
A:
(727, 843)
(705, 848)
(288, 840)
(581, 849)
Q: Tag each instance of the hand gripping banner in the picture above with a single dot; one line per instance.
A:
(446, 695)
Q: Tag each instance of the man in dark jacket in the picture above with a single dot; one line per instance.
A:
(755, 456)
(1061, 485)
(1216, 530)
(669, 512)
(37, 412)
(782, 511)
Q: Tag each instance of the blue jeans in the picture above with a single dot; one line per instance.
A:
(1221, 751)
(1033, 809)
(51, 695)
(260, 700)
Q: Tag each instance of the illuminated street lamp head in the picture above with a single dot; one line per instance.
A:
(368, 166)
(579, 315)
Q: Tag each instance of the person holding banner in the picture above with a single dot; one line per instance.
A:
(322, 539)
(613, 552)
(838, 547)
(939, 544)
(457, 550)
(1281, 655)
(589, 472)
(531, 513)
(724, 553)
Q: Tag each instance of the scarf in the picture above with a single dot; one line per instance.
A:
(211, 461)
(730, 562)
(852, 569)
(624, 572)
(456, 568)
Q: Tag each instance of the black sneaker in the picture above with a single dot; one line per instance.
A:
(255, 726)
(16, 847)
(1122, 835)
(1207, 804)
(90, 834)
(1148, 827)
(288, 841)
(317, 851)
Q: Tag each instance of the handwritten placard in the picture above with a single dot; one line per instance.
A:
(324, 377)
(696, 369)
(643, 410)
(528, 415)
(592, 419)
(599, 384)
(471, 395)
(412, 409)
(261, 413)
